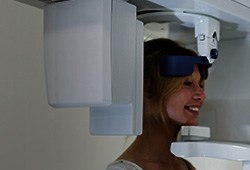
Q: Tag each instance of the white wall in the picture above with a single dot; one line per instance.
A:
(34, 136)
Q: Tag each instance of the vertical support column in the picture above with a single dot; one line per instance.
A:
(124, 115)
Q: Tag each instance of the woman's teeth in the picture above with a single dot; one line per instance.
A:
(195, 109)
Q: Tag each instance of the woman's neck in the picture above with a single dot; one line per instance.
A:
(151, 150)
(154, 144)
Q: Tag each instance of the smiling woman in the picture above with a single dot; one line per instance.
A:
(173, 95)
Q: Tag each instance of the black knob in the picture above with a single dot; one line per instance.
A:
(214, 53)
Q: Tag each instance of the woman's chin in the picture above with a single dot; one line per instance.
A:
(192, 123)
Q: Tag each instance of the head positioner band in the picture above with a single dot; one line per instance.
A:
(183, 65)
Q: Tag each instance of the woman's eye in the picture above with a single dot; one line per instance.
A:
(187, 83)
(201, 86)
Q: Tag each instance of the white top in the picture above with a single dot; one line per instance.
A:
(123, 165)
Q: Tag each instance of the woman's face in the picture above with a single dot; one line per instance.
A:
(183, 107)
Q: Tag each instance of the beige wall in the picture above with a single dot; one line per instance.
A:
(34, 136)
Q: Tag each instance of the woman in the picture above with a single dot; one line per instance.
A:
(173, 95)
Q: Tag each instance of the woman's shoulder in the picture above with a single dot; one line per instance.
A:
(123, 165)
(189, 165)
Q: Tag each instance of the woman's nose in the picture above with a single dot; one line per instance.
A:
(199, 94)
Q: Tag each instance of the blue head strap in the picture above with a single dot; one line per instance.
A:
(183, 65)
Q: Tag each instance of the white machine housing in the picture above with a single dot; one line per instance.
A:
(93, 57)
(207, 33)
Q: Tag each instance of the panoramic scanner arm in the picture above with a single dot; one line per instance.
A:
(207, 30)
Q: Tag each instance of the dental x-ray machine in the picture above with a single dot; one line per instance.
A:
(93, 57)
(208, 18)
